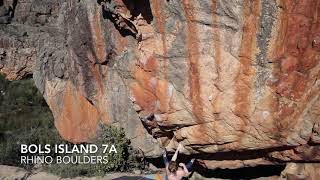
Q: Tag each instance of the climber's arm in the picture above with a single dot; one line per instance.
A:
(175, 156)
(185, 169)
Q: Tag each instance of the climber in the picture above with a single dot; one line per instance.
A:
(176, 171)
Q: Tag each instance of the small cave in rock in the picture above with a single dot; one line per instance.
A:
(137, 7)
(126, 22)
(123, 31)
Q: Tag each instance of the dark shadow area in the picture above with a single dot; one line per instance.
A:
(123, 32)
(221, 156)
(1, 2)
(125, 25)
(14, 5)
(240, 155)
(27, 76)
(142, 7)
(241, 173)
(157, 162)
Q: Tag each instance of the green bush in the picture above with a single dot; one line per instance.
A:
(10, 147)
(111, 135)
(25, 118)
(124, 160)
(21, 102)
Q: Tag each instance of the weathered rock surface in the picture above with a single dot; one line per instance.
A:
(10, 172)
(301, 171)
(237, 82)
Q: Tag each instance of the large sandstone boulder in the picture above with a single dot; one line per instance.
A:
(236, 82)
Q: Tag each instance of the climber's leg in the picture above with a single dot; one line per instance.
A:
(174, 157)
(165, 159)
(190, 164)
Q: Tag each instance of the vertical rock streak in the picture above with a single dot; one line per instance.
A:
(193, 56)
(99, 51)
(161, 21)
(244, 82)
(217, 54)
(216, 38)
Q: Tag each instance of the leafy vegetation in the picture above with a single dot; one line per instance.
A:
(25, 118)
(22, 107)
(124, 160)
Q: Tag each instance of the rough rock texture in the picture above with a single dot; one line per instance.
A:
(236, 82)
(10, 172)
(301, 171)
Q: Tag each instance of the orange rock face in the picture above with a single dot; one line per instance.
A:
(77, 119)
(236, 82)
